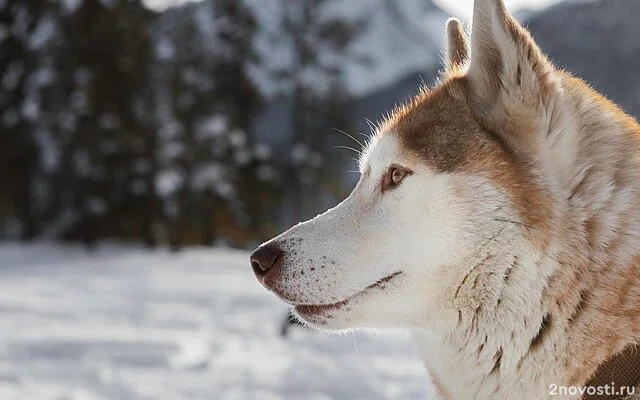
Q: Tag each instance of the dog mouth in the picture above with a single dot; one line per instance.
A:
(315, 309)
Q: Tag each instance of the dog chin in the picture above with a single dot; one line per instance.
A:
(345, 314)
(330, 317)
(369, 311)
(325, 319)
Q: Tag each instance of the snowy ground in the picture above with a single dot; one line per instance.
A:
(127, 324)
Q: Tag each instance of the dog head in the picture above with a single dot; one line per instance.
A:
(450, 184)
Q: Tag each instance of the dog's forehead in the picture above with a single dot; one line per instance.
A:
(436, 129)
(382, 150)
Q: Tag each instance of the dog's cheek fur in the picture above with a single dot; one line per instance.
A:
(463, 219)
(333, 256)
(371, 235)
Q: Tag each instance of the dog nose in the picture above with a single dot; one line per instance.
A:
(265, 258)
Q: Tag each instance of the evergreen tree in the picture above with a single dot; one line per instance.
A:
(106, 142)
(211, 170)
(23, 33)
(319, 44)
(237, 97)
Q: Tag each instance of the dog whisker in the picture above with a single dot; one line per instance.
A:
(358, 152)
(351, 137)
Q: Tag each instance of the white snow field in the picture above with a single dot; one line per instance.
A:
(131, 324)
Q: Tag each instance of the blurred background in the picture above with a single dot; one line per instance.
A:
(169, 124)
(224, 121)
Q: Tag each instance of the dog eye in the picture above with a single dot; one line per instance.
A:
(394, 176)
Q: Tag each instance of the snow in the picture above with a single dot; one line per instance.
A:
(262, 151)
(168, 182)
(12, 75)
(213, 127)
(237, 138)
(128, 324)
(42, 34)
(208, 175)
(71, 6)
(4, 32)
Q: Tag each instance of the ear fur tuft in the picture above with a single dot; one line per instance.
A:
(457, 47)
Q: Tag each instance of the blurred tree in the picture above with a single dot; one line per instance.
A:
(189, 169)
(319, 44)
(107, 145)
(211, 171)
(115, 126)
(255, 179)
(22, 27)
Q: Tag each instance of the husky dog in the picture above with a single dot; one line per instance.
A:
(497, 217)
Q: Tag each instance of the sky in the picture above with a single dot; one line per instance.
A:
(463, 8)
(458, 8)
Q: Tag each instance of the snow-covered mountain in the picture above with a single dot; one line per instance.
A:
(401, 37)
(596, 40)
(402, 43)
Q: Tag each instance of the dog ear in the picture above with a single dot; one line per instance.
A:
(457, 48)
(509, 80)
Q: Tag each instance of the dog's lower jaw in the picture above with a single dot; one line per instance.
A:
(319, 315)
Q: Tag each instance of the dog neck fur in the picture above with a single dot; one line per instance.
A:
(552, 307)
